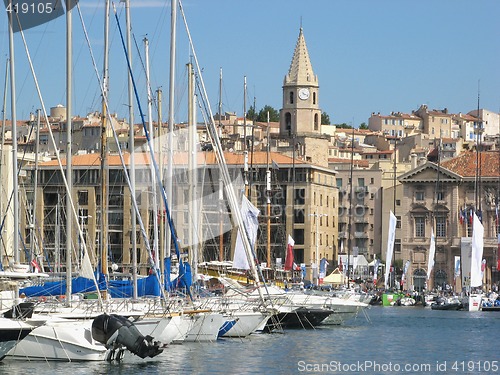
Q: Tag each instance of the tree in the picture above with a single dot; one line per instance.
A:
(363, 126)
(251, 113)
(325, 119)
(274, 115)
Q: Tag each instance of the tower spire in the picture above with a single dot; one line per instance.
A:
(301, 71)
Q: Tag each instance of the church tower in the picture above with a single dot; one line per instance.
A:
(300, 114)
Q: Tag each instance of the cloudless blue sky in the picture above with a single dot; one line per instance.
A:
(369, 55)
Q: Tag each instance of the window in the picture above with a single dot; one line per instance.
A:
(398, 221)
(291, 97)
(288, 122)
(440, 226)
(83, 197)
(440, 195)
(339, 182)
(398, 202)
(419, 226)
(316, 122)
(300, 196)
(314, 98)
(298, 236)
(419, 195)
(298, 216)
(372, 181)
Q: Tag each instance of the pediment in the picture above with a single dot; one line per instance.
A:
(430, 172)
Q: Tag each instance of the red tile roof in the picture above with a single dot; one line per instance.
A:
(465, 164)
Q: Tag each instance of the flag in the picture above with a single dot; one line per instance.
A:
(461, 216)
(471, 216)
(476, 279)
(390, 246)
(457, 266)
(375, 271)
(289, 254)
(274, 165)
(341, 267)
(432, 253)
(405, 270)
(250, 215)
(323, 264)
(35, 265)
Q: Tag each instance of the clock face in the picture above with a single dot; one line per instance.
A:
(304, 94)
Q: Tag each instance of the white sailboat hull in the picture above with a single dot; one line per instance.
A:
(205, 327)
(60, 340)
(247, 322)
(11, 332)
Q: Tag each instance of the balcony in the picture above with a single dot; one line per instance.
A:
(360, 235)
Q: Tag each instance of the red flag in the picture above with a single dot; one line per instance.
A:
(341, 267)
(289, 254)
(35, 265)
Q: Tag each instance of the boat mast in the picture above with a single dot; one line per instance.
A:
(133, 215)
(268, 196)
(152, 168)
(103, 243)
(349, 225)
(221, 192)
(161, 248)
(2, 144)
(14, 138)
(35, 187)
(245, 151)
(171, 119)
(193, 172)
(394, 168)
(69, 172)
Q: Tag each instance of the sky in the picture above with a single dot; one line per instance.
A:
(369, 55)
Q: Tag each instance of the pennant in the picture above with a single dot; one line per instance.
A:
(289, 254)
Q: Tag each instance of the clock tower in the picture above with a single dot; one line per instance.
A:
(300, 114)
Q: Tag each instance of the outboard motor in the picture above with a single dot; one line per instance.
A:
(116, 332)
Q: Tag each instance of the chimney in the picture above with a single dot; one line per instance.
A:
(413, 161)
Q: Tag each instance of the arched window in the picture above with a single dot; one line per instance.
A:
(314, 98)
(291, 97)
(419, 278)
(288, 122)
(316, 122)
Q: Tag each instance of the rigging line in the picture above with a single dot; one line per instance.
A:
(212, 132)
(127, 177)
(148, 137)
(8, 208)
(35, 79)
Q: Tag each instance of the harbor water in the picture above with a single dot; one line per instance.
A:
(387, 340)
